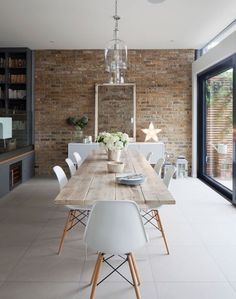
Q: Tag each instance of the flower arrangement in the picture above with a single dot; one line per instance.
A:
(78, 123)
(113, 141)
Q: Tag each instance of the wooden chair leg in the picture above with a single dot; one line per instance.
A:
(154, 215)
(158, 219)
(95, 269)
(133, 274)
(96, 274)
(68, 221)
(135, 268)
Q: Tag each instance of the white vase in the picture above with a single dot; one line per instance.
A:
(114, 155)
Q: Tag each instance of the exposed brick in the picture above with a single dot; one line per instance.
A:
(65, 86)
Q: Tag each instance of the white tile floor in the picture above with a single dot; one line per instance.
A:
(200, 228)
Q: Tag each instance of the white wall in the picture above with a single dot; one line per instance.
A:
(223, 50)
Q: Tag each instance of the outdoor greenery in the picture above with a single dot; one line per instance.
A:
(216, 89)
(219, 96)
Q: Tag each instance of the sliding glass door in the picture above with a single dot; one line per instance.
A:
(216, 119)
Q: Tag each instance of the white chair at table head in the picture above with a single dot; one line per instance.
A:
(115, 228)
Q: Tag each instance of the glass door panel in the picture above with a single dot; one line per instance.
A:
(219, 127)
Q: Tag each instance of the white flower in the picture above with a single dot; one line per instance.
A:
(113, 141)
(124, 137)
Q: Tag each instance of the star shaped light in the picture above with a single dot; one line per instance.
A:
(151, 132)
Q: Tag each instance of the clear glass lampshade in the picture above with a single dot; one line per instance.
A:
(116, 56)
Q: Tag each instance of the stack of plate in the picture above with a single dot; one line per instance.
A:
(131, 179)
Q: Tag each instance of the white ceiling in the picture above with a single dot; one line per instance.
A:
(88, 24)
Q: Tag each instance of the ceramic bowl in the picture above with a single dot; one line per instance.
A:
(115, 166)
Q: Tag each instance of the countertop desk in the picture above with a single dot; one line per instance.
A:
(93, 182)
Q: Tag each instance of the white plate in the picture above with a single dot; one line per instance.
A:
(131, 179)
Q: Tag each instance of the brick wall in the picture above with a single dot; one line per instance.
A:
(64, 86)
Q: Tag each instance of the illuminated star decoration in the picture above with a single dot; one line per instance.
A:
(151, 132)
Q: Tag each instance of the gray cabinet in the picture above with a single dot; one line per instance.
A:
(16, 104)
(16, 96)
(16, 170)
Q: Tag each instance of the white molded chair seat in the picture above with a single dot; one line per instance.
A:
(77, 214)
(71, 166)
(168, 175)
(62, 179)
(149, 155)
(158, 166)
(116, 228)
(61, 176)
(78, 159)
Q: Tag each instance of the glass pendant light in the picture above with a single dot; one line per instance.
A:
(116, 54)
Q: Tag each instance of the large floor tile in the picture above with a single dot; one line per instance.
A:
(29, 215)
(73, 248)
(233, 284)
(9, 257)
(118, 290)
(176, 234)
(220, 233)
(52, 268)
(196, 290)
(15, 234)
(225, 259)
(172, 214)
(39, 290)
(185, 263)
(142, 264)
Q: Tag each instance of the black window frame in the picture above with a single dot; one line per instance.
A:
(219, 67)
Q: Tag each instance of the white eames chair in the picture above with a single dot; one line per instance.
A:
(78, 159)
(115, 228)
(169, 175)
(149, 155)
(71, 166)
(158, 166)
(152, 213)
(76, 214)
(61, 176)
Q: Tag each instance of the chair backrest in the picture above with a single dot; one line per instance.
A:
(71, 166)
(78, 158)
(159, 165)
(149, 155)
(168, 175)
(115, 227)
(61, 176)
